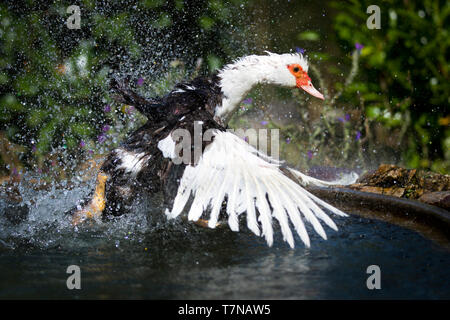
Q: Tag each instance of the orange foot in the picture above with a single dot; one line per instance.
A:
(204, 223)
(95, 207)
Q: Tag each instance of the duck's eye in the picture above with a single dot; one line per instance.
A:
(296, 69)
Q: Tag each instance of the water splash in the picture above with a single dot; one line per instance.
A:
(47, 225)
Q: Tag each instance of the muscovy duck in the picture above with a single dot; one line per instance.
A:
(230, 177)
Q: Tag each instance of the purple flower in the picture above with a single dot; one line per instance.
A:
(310, 154)
(130, 109)
(288, 140)
(358, 46)
(344, 119)
(105, 128)
(299, 50)
(358, 136)
(107, 108)
(264, 123)
(140, 82)
(33, 148)
(247, 101)
(101, 138)
(82, 144)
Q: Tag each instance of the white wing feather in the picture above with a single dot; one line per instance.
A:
(232, 170)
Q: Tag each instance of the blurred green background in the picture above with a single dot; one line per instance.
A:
(387, 90)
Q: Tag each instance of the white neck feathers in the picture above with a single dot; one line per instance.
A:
(238, 78)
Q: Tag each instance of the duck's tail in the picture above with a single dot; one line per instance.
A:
(147, 106)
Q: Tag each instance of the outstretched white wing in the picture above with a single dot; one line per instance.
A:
(232, 170)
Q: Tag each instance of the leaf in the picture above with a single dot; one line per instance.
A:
(214, 62)
(36, 117)
(206, 22)
(10, 102)
(308, 36)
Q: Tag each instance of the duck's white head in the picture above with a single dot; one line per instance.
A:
(237, 78)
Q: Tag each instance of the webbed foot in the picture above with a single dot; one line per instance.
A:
(204, 223)
(94, 208)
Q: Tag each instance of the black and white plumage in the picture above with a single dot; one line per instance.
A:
(231, 177)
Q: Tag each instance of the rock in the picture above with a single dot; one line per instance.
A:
(429, 187)
(439, 198)
(392, 191)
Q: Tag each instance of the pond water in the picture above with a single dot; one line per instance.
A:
(141, 255)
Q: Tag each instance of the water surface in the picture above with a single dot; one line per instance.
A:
(142, 255)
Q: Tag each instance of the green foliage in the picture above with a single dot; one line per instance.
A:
(404, 80)
(54, 82)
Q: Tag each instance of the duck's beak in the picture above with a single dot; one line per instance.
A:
(311, 90)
